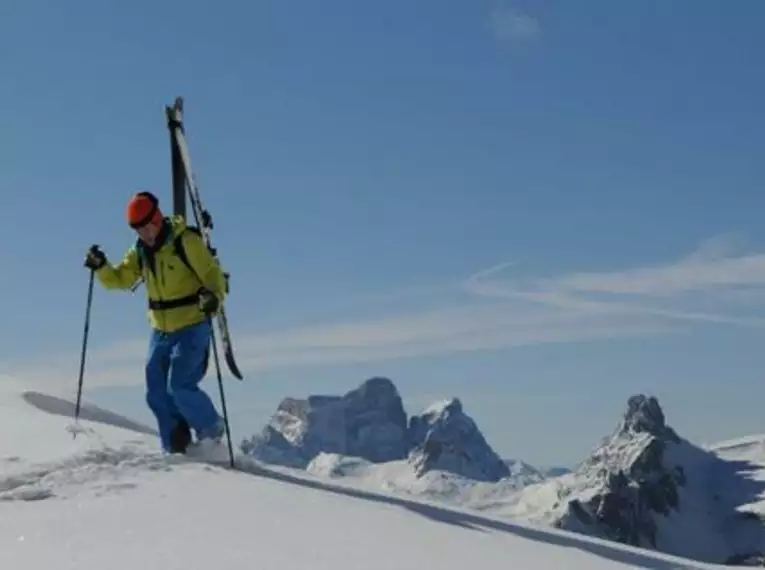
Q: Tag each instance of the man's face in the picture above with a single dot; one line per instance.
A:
(149, 232)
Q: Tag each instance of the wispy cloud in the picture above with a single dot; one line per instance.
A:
(665, 290)
(672, 279)
(717, 247)
(508, 23)
(495, 308)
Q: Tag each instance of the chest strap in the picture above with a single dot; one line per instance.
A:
(164, 304)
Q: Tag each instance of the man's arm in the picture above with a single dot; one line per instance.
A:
(123, 275)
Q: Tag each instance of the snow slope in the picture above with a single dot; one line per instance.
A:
(750, 448)
(745, 461)
(108, 499)
(401, 478)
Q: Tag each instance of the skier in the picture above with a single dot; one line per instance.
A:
(185, 287)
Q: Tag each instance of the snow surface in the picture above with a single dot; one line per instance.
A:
(107, 499)
(749, 448)
(746, 461)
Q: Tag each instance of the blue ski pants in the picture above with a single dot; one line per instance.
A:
(175, 366)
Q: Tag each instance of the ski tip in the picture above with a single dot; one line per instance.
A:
(232, 366)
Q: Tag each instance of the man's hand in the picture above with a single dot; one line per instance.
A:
(95, 258)
(208, 302)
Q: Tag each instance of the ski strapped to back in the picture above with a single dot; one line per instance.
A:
(203, 219)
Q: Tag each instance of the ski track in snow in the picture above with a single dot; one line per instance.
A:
(96, 471)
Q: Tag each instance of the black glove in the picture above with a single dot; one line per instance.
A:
(95, 259)
(208, 302)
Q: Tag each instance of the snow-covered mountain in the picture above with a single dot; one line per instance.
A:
(368, 422)
(633, 481)
(646, 486)
(444, 438)
(369, 425)
(531, 474)
(108, 499)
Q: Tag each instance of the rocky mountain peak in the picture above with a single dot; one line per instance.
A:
(644, 415)
(446, 438)
(367, 422)
(632, 480)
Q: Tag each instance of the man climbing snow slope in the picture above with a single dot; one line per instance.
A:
(185, 287)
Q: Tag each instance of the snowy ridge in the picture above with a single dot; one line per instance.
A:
(752, 446)
(107, 499)
(528, 474)
(399, 478)
(437, 408)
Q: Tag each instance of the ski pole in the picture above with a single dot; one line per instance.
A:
(222, 395)
(84, 347)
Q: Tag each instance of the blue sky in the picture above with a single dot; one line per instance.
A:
(541, 208)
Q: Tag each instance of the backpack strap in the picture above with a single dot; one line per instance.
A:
(144, 256)
(180, 251)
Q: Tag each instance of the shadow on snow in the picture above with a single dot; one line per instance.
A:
(61, 407)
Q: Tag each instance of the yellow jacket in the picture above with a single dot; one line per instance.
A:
(170, 280)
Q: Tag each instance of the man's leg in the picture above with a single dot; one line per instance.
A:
(180, 436)
(158, 398)
(188, 363)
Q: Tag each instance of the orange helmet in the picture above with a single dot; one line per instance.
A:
(143, 208)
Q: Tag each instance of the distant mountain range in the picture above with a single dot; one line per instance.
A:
(642, 485)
